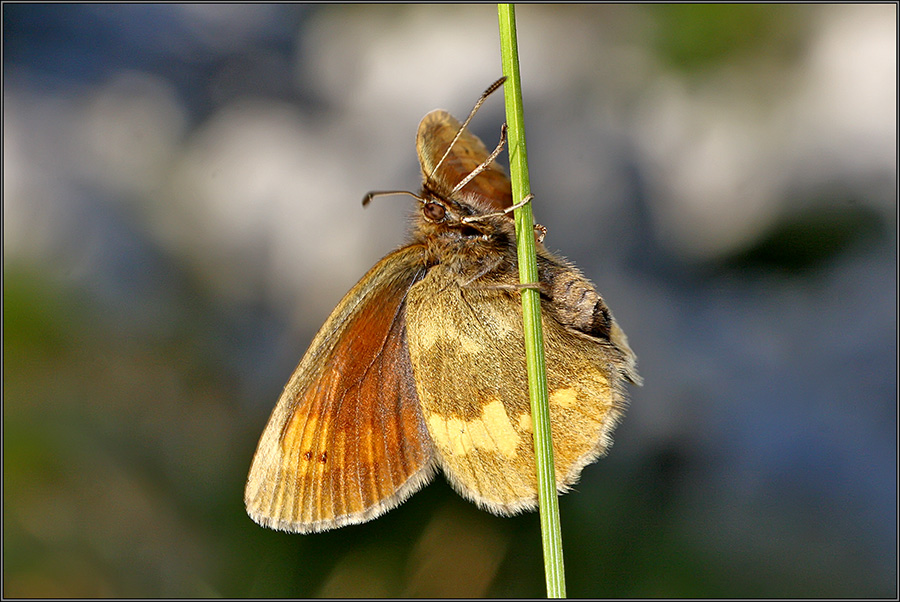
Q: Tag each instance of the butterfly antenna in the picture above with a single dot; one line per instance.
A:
(507, 211)
(491, 89)
(485, 163)
(371, 195)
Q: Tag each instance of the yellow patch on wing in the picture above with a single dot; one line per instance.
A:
(429, 337)
(469, 345)
(499, 428)
(301, 438)
(564, 397)
(490, 432)
(296, 436)
(525, 422)
(503, 325)
(599, 378)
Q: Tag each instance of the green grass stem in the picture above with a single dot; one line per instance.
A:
(551, 534)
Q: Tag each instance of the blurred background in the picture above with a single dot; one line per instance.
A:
(181, 212)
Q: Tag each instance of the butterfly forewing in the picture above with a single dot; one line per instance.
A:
(436, 132)
(346, 441)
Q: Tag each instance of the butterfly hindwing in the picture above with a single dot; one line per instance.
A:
(467, 353)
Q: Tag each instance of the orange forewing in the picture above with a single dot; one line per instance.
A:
(346, 441)
(436, 132)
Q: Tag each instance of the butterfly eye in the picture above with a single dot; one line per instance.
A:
(434, 212)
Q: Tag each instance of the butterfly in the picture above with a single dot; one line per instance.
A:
(421, 365)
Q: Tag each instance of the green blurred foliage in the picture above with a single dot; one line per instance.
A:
(127, 460)
(112, 454)
(697, 37)
(806, 240)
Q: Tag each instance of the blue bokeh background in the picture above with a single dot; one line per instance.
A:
(181, 204)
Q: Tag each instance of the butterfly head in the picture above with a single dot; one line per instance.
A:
(463, 222)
